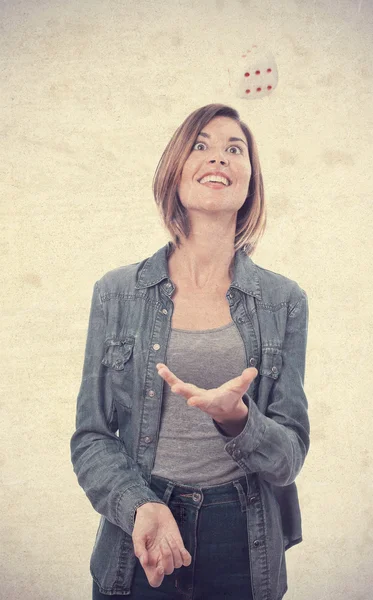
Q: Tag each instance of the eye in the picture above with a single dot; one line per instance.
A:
(239, 148)
(203, 144)
(198, 144)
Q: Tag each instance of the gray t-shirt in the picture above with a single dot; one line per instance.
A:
(190, 449)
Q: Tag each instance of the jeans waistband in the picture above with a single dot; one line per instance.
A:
(168, 490)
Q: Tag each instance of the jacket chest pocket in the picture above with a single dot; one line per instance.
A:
(117, 353)
(269, 371)
(271, 362)
(119, 368)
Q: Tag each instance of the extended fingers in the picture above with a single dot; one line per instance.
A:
(174, 381)
(165, 372)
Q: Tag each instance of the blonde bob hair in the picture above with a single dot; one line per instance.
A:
(251, 217)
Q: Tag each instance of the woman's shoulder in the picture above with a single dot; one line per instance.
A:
(277, 288)
(119, 279)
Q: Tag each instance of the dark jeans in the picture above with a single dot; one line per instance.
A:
(213, 525)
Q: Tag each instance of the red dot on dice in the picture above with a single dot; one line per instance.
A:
(269, 87)
(257, 72)
(247, 74)
(258, 89)
(247, 91)
(269, 70)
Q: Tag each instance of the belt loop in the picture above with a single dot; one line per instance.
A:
(168, 491)
(242, 496)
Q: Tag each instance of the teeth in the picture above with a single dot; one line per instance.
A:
(215, 178)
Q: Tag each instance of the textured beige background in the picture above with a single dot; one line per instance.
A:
(91, 92)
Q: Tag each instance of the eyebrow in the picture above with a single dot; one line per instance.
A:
(231, 139)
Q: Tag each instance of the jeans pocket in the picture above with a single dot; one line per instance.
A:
(178, 512)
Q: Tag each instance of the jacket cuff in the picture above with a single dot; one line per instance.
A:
(129, 501)
(251, 435)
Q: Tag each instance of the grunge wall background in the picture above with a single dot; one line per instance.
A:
(90, 94)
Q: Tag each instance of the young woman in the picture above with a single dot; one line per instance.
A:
(192, 423)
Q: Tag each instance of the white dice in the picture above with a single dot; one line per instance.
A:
(255, 75)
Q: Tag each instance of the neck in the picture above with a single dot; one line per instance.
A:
(204, 265)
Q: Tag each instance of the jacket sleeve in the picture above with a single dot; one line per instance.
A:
(276, 444)
(110, 478)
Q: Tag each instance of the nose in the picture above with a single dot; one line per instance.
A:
(222, 161)
(218, 153)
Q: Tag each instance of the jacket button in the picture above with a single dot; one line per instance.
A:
(256, 543)
(165, 311)
(151, 393)
(252, 499)
(147, 440)
(156, 347)
(237, 453)
(252, 361)
(274, 369)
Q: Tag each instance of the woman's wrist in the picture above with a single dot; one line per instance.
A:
(234, 426)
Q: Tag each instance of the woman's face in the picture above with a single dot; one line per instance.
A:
(214, 150)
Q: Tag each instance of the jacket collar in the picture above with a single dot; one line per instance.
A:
(245, 275)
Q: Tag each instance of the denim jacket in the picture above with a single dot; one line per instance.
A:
(119, 409)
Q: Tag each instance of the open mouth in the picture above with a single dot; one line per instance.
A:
(224, 183)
